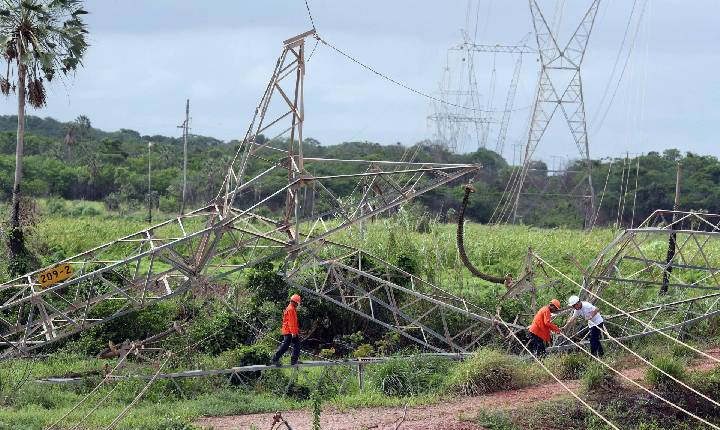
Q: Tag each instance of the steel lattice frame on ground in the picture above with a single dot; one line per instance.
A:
(665, 275)
(203, 251)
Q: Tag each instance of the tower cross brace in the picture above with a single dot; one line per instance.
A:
(559, 86)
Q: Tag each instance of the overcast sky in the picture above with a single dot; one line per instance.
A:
(147, 57)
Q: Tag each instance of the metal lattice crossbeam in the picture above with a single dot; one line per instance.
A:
(368, 286)
(204, 251)
(559, 87)
(665, 273)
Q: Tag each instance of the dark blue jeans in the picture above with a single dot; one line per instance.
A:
(537, 345)
(287, 339)
(596, 348)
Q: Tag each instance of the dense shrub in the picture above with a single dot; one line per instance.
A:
(56, 207)
(246, 355)
(568, 366)
(219, 330)
(135, 325)
(488, 371)
(399, 377)
(597, 378)
(670, 365)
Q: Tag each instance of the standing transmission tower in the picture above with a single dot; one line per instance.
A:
(465, 119)
(559, 86)
(519, 50)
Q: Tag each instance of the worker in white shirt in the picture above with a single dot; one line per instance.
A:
(595, 322)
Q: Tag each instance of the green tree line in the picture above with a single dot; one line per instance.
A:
(76, 161)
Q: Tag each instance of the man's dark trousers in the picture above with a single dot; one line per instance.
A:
(287, 339)
(596, 348)
(537, 345)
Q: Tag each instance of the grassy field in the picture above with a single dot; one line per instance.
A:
(77, 226)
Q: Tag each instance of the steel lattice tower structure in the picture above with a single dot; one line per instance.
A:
(202, 252)
(559, 86)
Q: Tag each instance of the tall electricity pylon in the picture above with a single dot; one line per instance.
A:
(559, 86)
(262, 212)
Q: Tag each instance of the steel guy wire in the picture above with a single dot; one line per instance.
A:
(549, 372)
(625, 313)
(642, 387)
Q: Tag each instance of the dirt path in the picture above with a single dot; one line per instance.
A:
(442, 416)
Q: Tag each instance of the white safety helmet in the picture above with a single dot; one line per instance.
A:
(573, 300)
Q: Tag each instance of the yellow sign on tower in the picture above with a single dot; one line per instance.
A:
(54, 275)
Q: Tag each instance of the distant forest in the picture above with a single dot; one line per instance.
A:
(76, 161)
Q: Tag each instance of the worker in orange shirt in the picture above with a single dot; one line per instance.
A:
(290, 332)
(541, 327)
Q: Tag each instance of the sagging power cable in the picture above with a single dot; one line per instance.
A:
(625, 313)
(647, 390)
(549, 372)
(461, 242)
(401, 84)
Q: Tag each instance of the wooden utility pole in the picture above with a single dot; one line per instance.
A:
(673, 236)
(186, 128)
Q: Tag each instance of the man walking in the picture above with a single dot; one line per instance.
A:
(541, 327)
(290, 332)
(595, 322)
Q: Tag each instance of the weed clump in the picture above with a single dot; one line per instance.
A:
(488, 371)
(671, 366)
(599, 379)
(398, 377)
(568, 366)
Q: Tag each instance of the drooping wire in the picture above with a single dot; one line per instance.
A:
(549, 372)
(312, 21)
(642, 387)
(606, 91)
(398, 83)
(637, 174)
(624, 69)
(624, 312)
(594, 219)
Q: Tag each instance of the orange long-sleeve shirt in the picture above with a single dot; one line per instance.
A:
(290, 321)
(542, 324)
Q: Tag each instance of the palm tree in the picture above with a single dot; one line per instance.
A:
(38, 39)
(76, 132)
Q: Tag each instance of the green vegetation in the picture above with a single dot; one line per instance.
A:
(401, 378)
(568, 366)
(670, 366)
(488, 371)
(598, 379)
(75, 161)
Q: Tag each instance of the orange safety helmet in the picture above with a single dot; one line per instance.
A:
(555, 302)
(296, 298)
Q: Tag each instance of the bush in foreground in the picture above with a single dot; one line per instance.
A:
(568, 366)
(671, 366)
(489, 371)
(398, 377)
(599, 379)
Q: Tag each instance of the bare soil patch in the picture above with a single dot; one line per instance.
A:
(447, 415)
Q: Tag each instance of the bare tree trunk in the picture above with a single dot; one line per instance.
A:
(16, 242)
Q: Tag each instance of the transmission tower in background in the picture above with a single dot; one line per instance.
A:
(464, 119)
(518, 50)
(559, 86)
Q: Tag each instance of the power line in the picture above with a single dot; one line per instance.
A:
(624, 69)
(398, 83)
(549, 372)
(312, 21)
(617, 61)
(642, 387)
